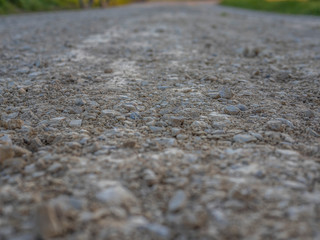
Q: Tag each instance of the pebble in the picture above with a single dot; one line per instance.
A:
(275, 125)
(75, 123)
(285, 121)
(52, 221)
(244, 138)
(308, 113)
(313, 133)
(135, 115)
(178, 201)
(166, 141)
(182, 136)
(231, 110)
(14, 124)
(110, 113)
(80, 102)
(199, 125)
(226, 93)
(176, 121)
(157, 229)
(150, 177)
(175, 131)
(54, 167)
(116, 196)
(242, 107)
(156, 129)
(6, 153)
(56, 121)
(6, 140)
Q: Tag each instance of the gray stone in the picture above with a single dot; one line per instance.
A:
(176, 121)
(275, 125)
(75, 123)
(313, 133)
(116, 196)
(244, 138)
(5, 139)
(231, 110)
(242, 107)
(80, 102)
(178, 201)
(175, 131)
(286, 122)
(156, 129)
(110, 113)
(166, 141)
(226, 92)
(157, 229)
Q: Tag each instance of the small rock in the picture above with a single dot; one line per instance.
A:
(134, 115)
(108, 70)
(175, 131)
(150, 177)
(55, 167)
(14, 124)
(110, 113)
(242, 107)
(178, 201)
(226, 93)
(251, 52)
(308, 113)
(166, 141)
(80, 102)
(129, 144)
(157, 229)
(156, 129)
(52, 221)
(176, 121)
(294, 185)
(231, 110)
(275, 125)
(312, 132)
(182, 136)
(116, 196)
(14, 163)
(35, 144)
(6, 153)
(244, 138)
(56, 121)
(6, 140)
(21, 91)
(199, 125)
(195, 219)
(214, 95)
(285, 121)
(75, 123)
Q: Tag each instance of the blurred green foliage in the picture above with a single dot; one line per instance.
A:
(15, 6)
(307, 7)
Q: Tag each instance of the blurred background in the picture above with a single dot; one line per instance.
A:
(308, 7)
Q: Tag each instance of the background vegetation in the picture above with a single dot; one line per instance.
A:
(309, 7)
(14, 6)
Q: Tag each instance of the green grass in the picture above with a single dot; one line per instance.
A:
(16, 6)
(310, 7)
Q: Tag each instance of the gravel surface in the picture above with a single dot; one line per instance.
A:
(159, 121)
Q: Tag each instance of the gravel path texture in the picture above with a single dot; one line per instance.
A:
(159, 121)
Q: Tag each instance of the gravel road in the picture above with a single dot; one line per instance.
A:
(159, 121)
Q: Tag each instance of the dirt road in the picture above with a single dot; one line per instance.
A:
(159, 122)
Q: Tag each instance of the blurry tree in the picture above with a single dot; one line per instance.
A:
(102, 3)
